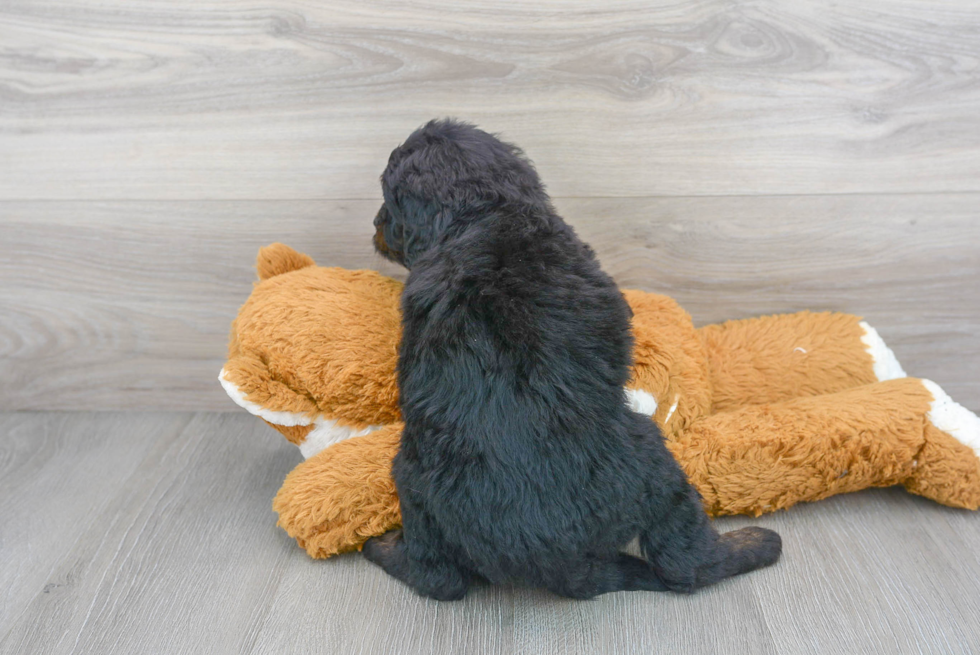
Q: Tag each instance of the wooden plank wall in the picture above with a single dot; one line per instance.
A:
(744, 157)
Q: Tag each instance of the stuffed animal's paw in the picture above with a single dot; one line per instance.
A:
(947, 468)
(334, 501)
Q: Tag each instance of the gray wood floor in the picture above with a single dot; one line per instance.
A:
(153, 533)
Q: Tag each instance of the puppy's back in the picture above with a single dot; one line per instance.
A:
(516, 350)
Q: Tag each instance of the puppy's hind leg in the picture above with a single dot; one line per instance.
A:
(740, 551)
(428, 574)
(388, 552)
(593, 576)
(679, 540)
(688, 553)
(419, 556)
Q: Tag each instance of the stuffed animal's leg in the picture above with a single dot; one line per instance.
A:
(767, 457)
(334, 501)
(947, 468)
(776, 358)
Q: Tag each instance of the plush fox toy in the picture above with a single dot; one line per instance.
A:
(761, 413)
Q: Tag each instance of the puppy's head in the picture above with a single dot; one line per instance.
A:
(443, 176)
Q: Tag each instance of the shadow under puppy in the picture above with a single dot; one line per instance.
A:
(520, 459)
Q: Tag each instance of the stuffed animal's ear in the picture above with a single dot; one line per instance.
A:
(278, 259)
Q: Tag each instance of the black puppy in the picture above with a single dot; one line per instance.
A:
(520, 460)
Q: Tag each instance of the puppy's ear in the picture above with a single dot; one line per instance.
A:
(424, 222)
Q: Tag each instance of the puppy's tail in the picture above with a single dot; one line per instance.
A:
(279, 258)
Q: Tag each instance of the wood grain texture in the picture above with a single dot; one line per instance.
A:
(889, 545)
(345, 605)
(182, 559)
(58, 472)
(179, 553)
(203, 100)
(126, 305)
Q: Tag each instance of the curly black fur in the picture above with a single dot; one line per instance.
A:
(520, 460)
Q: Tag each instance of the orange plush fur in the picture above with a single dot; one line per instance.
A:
(761, 413)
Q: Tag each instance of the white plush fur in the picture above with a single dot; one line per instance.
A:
(328, 432)
(886, 365)
(641, 402)
(325, 432)
(287, 419)
(952, 418)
